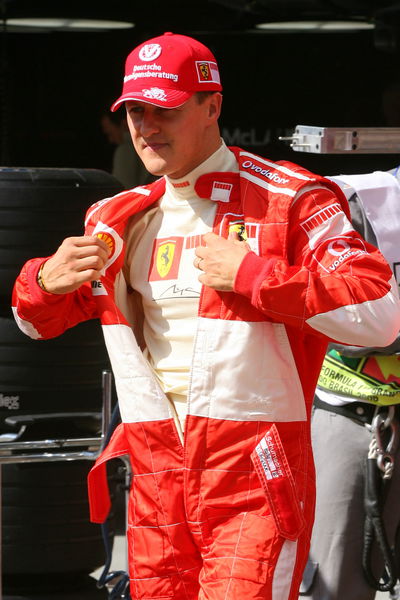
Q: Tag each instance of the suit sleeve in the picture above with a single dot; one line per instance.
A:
(42, 315)
(333, 282)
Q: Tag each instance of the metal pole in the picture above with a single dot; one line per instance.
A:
(106, 379)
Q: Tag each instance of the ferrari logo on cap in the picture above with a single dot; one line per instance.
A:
(207, 72)
(204, 71)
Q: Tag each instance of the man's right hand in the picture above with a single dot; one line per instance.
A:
(77, 260)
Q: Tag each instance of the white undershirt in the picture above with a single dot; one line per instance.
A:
(160, 254)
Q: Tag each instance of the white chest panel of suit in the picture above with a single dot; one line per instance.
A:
(161, 250)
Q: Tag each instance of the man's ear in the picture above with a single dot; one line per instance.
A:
(214, 106)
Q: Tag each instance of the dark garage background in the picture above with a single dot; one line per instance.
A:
(55, 84)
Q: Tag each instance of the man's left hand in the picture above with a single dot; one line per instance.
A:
(219, 260)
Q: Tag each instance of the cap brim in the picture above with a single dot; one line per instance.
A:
(166, 98)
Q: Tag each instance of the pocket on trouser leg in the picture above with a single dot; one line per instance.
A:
(276, 478)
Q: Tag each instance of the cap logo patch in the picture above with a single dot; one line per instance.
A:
(155, 93)
(204, 71)
(150, 52)
(207, 72)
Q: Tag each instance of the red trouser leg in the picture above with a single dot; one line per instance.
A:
(248, 559)
(202, 525)
(164, 560)
(257, 527)
(251, 560)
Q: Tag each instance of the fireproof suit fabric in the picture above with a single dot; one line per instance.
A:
(228, 513)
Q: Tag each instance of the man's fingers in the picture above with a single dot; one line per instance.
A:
(95, 251)
(86, 244)
(211, 238)
(73, 250)
(86, 240)
(198, 260)
(77, 260)
(90, 262)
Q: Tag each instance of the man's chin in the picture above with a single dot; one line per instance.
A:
(158, 170)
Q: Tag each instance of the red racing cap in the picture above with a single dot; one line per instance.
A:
(167, 70)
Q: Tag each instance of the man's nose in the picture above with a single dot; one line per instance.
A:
(149, 123)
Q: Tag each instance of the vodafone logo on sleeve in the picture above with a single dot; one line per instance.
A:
(331, 254)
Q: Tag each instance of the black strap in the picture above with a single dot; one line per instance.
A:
(374, 497)
(358, 411)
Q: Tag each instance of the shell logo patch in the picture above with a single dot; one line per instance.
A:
(165, 258)
(109, 240)
(114, 243)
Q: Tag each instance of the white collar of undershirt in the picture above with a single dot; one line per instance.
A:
(221, 160)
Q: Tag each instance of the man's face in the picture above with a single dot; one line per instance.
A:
(174, 141)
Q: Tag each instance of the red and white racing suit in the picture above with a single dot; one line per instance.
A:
(227, 515)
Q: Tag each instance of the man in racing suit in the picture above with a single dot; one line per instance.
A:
(214, 285)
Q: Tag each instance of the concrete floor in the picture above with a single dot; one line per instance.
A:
(119, 562)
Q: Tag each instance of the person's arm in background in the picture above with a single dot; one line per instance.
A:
(362, 225)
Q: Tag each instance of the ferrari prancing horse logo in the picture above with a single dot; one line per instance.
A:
(165, 258)
(239, 228)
